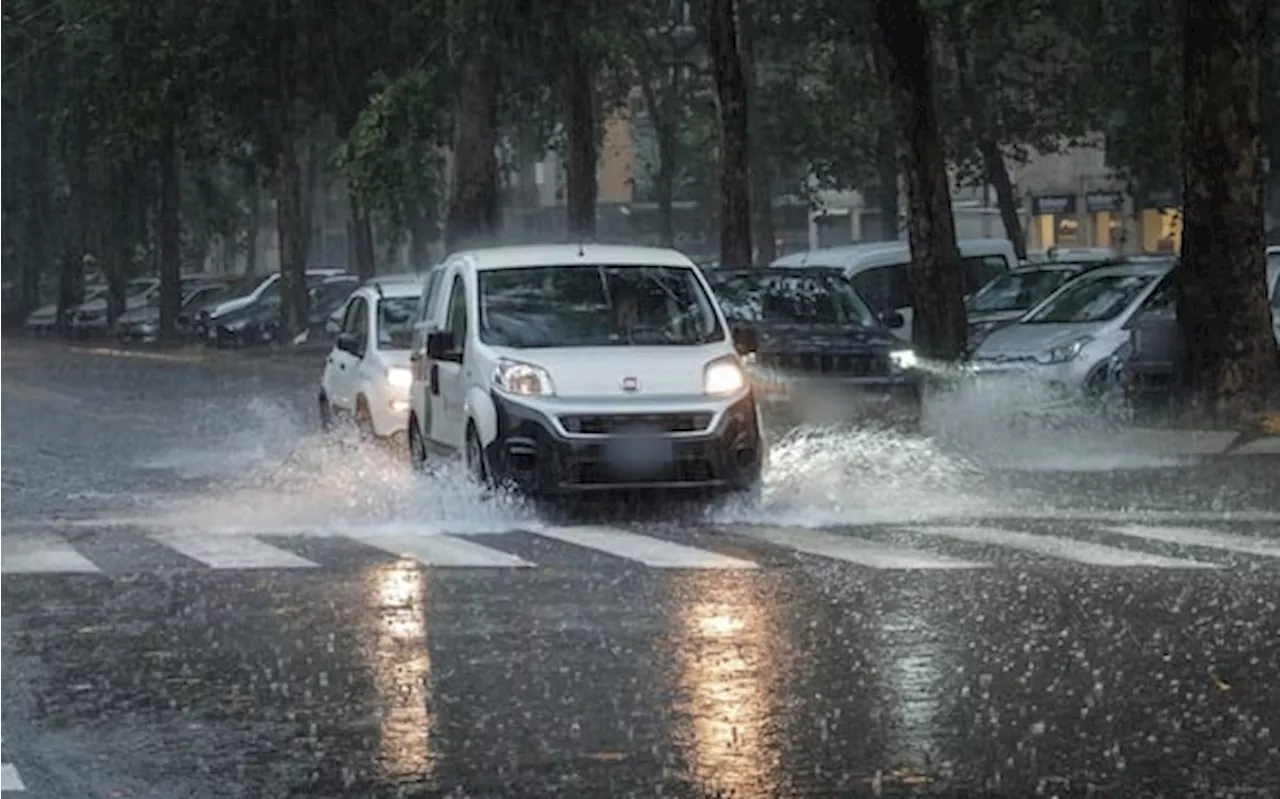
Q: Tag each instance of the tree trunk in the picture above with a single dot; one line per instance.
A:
(581, 186)
(887, 175)
(1006, 196)
(362, 238)
(118, 253)
(474, 204)
(664, 181)
(762, 233)
(291, 224)
(936, 283)
(731, 89)
(762, 230)
(170, 235)
(421, 235)
(1229, 361)
(253, 234)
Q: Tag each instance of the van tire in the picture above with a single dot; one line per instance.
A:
(326, 414)
(417, 447)
(364, 421)
(477, 467)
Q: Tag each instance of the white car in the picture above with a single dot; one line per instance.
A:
(563, 369)
(366, 376)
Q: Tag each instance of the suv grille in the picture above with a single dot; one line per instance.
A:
(610, 424)
(863, 365)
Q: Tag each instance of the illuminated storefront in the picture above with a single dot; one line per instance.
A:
(1161, 222)
(1054, 222)
(1106, 218)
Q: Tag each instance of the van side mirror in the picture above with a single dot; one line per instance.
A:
(440, 346)
(893, 319)
(347, 342)
(746, 340)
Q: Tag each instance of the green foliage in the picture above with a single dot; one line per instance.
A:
(392, 155)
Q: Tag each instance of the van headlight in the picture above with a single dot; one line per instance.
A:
(399, 377)
(723, 377)
(524, 379)
(903, 360)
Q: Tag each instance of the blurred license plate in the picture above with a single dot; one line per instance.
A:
(638, 452)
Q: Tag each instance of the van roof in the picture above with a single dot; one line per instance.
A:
(568, 254)
(882, 253)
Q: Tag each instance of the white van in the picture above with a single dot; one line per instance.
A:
(879, 270)
(566, 369)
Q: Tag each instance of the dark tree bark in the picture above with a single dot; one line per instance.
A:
(731, 89)
(936, 282)
(759, 173)
(1229, 356)
(362, 238)
(118, 252)
(170, 235)
(474, 205)
(579, 100)
(887, 174)
(664, 182)
(295, 239)
(253, 233)
(995, 171)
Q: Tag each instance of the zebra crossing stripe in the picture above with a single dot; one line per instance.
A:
(233, 552)
(1062, 548)
(9, 779)
(41, 554)
(1196, 537)
(440, 550)
(853, 550)
(653, 552)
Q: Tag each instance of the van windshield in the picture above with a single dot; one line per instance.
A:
(595, 306)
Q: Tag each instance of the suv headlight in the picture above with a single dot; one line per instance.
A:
(902, 360)
(524, 379)
(723, 377)
(399, 377)
(1063, 353)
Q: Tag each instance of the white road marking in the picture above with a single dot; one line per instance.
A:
(440, 550)
(233, 552)
(9, 779)
(653, 552)
(853, 550)
(1064, 548)
(42, 554)
(1192, 536)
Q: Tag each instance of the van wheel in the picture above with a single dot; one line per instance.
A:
(417, 448)
(476, 466)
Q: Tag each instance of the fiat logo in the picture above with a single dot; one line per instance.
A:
(630, 384)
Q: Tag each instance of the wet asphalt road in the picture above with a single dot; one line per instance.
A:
(183, 618)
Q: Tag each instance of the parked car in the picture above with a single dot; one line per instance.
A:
(1007, 297)
(90, 318)
(266, 290)
(44, 320)
(819, 341)
(142, 325)
(564, 370)
(1066, 341)
(259, 321)
(366, 377)
(879, 270)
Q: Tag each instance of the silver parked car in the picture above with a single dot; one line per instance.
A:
(1067, 340)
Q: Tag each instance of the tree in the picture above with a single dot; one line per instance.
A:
(474, 202)
(731, 89)
(935, 280)
(1230, 361)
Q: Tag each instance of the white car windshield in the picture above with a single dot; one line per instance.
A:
(1017, 290)
(792, 300)
(1098, 298)
(595, 306)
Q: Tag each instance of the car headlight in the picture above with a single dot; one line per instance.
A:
(1063, 353)
(903, 359)
(722, 377)
(524, 379)
(399, 377)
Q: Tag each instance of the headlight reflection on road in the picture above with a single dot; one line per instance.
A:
(395, 598)
(724, 640)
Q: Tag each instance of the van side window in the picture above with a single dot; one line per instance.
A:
(457, 321)
(884, 288)
(981, 270)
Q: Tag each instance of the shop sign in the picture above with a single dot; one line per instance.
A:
(1095, 202)
(1053, 205)
(1161, 199)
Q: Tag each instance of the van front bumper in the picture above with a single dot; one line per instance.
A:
(713, 449)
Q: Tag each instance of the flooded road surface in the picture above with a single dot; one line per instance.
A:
(201, 599)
